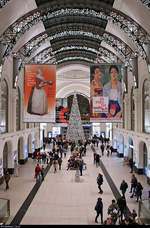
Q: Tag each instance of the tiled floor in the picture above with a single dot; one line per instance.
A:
(62, 200)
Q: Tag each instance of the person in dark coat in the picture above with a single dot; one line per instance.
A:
(59, 162)
(139, 189)
(133, 185)
(81, 167)
(7, 178)
(42, 172)
(100, 182)
(111, 149)
(131, 163)
(99, 210)
(97, 160)
(121, 202)
(102, 149)
(123, 187)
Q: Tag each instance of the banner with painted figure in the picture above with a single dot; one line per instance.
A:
(39, 93)
(61, 110)
(105, 93)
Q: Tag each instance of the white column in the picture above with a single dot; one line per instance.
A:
(127, 112)
(13, 111)
(138, 113)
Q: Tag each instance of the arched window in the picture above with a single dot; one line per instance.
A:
(146, 106)
(132, 111)
(4, 107)
(18, 109)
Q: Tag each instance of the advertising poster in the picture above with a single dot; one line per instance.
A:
(105, 93)
(61, 110)
(39, 93)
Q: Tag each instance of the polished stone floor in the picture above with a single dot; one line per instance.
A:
(61, 199)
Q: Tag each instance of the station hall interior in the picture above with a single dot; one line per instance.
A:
(72, 36)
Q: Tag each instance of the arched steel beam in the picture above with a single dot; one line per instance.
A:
(134, 31)
(3, 3)
(46, 53)
(124, 50)
(146, 3)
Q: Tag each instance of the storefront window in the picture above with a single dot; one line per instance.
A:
(146, 106)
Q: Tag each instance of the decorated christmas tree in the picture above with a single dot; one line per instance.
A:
(75, 130)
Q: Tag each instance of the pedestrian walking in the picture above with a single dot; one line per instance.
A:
(59, 162)
(37, 172)
(139, 189)
(133, 186)
(94, 157)
(111, 149)
(97, 160)
(55, 163)
(7, 179)
(123, 187)
(99, 210)
(121, 202)
(81, 167)
(42, 172)
(100, 182)
(102, 149)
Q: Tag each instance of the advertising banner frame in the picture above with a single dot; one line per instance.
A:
(39, 92)
(106, 93)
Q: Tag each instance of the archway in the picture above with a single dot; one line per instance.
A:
(143, 157)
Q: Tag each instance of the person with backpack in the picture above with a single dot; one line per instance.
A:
(100, 182)
(99, 210)
(123, 187)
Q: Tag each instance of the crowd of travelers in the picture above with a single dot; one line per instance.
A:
(117, 210)
(58, 149)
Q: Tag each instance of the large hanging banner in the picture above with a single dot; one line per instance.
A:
(61, 110)
(105, 93)
(39, 93)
